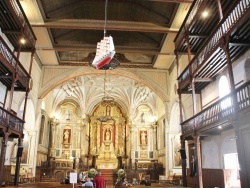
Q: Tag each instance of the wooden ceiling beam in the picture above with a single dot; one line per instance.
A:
(93, 48)
(197, 36)
(112, 25)
(203, 80)
(239, 43)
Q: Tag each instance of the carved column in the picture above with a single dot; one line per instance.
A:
(131, 142)
(32, 153)
(154, 125)
(2, 157)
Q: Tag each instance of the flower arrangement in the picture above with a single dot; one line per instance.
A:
(121, 173)
(92, 173)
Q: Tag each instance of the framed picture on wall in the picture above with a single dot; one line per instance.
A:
(24, 157)
(176, 146)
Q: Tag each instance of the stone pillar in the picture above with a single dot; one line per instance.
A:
(32, 151)
(37, 130)
(198, 159)
(166, 139)
(131, 128)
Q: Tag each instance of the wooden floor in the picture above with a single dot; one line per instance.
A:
(55, 184)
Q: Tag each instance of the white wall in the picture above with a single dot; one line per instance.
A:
(214, 147)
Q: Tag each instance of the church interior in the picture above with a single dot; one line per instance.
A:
(171, 106)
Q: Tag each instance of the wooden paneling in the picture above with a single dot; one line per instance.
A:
(211, 178)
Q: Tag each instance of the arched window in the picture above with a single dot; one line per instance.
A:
(223, 91)
(223, 86)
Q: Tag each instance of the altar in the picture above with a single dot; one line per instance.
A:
(107, 156)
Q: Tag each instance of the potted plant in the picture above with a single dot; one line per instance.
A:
(92, 173)
(121, 173)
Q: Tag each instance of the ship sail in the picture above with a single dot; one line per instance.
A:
(105, 51)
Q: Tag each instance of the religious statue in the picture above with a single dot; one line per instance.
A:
(121, 150)
(107, 135)
(143, 138)
(66, 136)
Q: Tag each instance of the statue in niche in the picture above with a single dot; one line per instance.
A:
(143, 137)
(107, 135)
(66, 135)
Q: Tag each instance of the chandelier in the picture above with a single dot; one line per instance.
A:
(106, 100)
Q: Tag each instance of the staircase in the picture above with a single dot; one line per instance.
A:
(108, 175)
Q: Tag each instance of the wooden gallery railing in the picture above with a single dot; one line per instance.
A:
(9, 120)
(222, 109)
(16, 8)
(13, 64)
(225, 27)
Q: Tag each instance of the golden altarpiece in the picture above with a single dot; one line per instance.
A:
(104, 139)
(107, 135)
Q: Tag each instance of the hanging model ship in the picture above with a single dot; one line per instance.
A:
(105, 52)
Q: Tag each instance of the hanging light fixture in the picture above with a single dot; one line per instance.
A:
(105, 50)
(106, 100)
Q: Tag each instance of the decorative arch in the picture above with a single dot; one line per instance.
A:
(30, 114)
(174, 122)
(63, 77)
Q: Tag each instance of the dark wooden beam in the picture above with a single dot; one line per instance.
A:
(239, 43)
(203, 80)
(11, 31)
(197, 36)
(113, 25)
(6, 76)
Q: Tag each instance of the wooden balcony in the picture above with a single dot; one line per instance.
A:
(218, 114)
(14, 24)
(11, 68)
(210, 59)
(10, 121)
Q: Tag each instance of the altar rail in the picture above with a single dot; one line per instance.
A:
(226, 26)
(225, 107)
(9, 120)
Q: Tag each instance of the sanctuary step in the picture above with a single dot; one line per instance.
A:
(107, 174)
